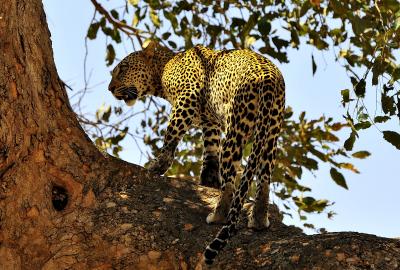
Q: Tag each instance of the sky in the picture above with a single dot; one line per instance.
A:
(371, 205)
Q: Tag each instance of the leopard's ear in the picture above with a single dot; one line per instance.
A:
(150, 49)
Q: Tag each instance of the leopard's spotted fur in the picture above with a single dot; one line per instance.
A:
(238, 92)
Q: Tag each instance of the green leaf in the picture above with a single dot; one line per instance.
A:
(381, 119)
(110, 57)
(166, 35)
(172, 44)
(338, 178)
(115, 14)
(314, 66)
(308, 200)
(345, 96)
(392, 137)
(362, 125)
(358, 24)
(92, 31)
(264, 26)
(309, 225)
(106, 114)
(361, 154)
(388, 104)
(349, 143)
(237, 22)
(280, 43)
(116, 36)
(360, 88)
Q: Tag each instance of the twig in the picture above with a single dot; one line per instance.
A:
(129, 30)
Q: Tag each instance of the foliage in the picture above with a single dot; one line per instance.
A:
(363, 35)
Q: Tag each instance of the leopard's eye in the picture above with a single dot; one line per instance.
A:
(123, 67)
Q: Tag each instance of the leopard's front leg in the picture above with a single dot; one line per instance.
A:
(181, 120)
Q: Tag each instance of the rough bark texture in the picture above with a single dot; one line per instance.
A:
(117, 215)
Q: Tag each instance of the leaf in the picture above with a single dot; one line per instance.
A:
(264, 26)
(309, 225)
(136, 19)
(358, 24)
(133, 2)
(110, 54)
(280, 43)
(237, 22)
(362, 125)
(116, 36)
(381, 119)
(106, 114)
(154, 18)
(314, 66)
(115, 14)
(172, 44)
(338, 178)
(388, 104)
(337, 126)
(345, 96)
(392, 137)
(349, 143)
(361, 154)
(166, 35)
(349, 166)
(310, 163)
(92, 31)
(360, 88)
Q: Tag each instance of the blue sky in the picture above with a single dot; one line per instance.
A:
(371, 204)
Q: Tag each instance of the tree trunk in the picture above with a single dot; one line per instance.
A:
(63, 204)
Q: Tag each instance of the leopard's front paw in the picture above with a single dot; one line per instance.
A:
(159, 166)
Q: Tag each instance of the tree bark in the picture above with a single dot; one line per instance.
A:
(64, 205)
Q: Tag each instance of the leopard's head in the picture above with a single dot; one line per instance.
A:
(134, 76)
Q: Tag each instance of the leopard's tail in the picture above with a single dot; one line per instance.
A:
(268, 94)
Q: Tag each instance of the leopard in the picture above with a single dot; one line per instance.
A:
(234, 96)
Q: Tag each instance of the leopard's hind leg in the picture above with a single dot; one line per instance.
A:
(209, 175)
(272, 117)
(240, 124)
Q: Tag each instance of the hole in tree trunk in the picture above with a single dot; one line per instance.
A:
(59, 197)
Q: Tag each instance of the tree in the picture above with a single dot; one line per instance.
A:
(363, 35)
(63, 204)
